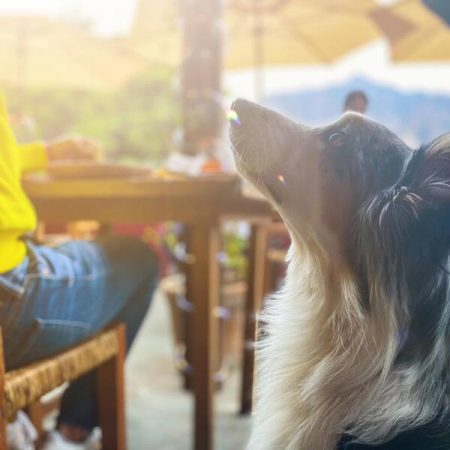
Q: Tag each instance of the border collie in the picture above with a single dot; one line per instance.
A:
(357, 346)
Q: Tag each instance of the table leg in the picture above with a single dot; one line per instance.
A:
(204, 291)
(187, 267)
(254, 296)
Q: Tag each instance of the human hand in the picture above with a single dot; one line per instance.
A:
(73, 149)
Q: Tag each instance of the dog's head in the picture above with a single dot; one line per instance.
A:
(359, 196)
(376, 214)
(325, 181)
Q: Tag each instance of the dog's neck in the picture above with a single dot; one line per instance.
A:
(316, 341)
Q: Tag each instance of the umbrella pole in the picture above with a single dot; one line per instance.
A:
(258, 50)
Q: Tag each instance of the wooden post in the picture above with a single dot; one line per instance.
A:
(3, 417)
(187, 268)
(204, 332)
(111, 397)
(188, 324)
(201, 72)
(255, 293)
(258, 51)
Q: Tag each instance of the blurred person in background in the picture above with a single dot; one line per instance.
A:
(208, 136)
(356, 101)
(53, 297)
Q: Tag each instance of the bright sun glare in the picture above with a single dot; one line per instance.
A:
(108, 17)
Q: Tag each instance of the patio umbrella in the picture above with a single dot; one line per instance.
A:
(286, 31)
(37, 51)
(274, 32)
(262, 33)
(415, 32)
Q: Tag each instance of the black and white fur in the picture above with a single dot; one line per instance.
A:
(358, 338)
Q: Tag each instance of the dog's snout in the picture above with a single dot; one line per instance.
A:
(240, 105)
(251, 115)
(247, 111)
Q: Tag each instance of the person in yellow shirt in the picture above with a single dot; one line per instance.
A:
(52, 298)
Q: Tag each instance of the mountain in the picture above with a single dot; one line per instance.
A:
(416, 117)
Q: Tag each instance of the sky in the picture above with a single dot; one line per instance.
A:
(108, 17)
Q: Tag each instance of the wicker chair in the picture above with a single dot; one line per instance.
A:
(104, 353)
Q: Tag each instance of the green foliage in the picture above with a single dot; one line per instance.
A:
(235, 247)
(133, 124)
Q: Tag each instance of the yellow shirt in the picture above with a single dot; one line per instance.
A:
(17, 215)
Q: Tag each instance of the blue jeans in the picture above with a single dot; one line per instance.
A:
(59, 296)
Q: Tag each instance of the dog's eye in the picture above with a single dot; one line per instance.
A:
(336, 139)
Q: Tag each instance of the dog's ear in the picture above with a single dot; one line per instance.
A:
(428, 173)
(403, 234)
(418, 206)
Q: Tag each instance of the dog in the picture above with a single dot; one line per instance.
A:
(356, 344)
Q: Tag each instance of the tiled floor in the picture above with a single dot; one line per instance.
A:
(159, 411)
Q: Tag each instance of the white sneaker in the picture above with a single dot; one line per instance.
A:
(56, 441)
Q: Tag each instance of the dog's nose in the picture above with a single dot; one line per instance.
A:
(241, 106)
(238, 104)
(242, 110)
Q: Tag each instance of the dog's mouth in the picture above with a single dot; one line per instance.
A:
(265, 179)
(237, 135)
(276, 187)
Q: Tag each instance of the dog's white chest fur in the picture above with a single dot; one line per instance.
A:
(319, 367)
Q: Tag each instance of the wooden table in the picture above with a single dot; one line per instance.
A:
(199, 203)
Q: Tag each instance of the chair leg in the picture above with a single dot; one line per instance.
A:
(255, 293)
(3, 418)
(111, 397)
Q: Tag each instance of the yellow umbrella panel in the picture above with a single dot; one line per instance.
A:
(296, 32)
(425, 36)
